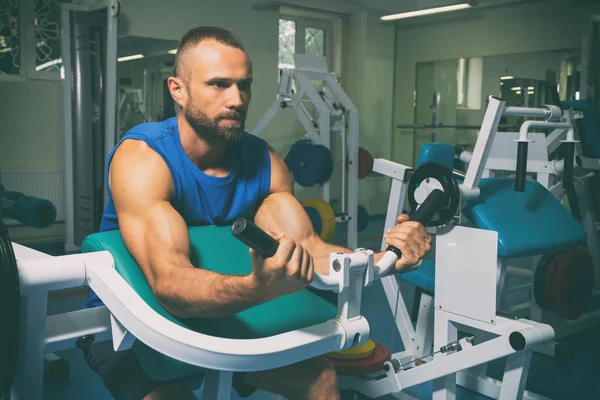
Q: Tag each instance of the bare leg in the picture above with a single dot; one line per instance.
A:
(171, 390)
(313, 379)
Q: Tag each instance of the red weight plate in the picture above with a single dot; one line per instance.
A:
(365, 366)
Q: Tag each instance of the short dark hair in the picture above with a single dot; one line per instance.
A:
(197, 35)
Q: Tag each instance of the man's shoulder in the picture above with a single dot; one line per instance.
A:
(153, 129)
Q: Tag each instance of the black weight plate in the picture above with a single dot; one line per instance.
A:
(9, 312)
(306, 163)
(449, 185)
(329, 163)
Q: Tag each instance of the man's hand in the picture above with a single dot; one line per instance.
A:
(411, 238)
(290, 270)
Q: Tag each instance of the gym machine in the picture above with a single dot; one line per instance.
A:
(564, 287)
(469, 261)
(311, 161)
(89, 30)
(27, 210)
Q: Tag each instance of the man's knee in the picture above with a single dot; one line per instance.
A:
(313, 379)
(325, 385)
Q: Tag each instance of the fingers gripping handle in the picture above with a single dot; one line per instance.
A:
(425, 212)
(250, 234)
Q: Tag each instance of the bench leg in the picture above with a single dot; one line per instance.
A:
(217, 385)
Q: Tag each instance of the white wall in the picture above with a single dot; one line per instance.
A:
(31, 130)
(539, 26)
(367, 76)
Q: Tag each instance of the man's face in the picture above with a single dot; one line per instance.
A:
(219, 91)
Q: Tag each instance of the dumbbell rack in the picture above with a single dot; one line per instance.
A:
(335, 113)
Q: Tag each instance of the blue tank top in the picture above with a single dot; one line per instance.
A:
(199, 198)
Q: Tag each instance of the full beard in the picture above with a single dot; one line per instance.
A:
(210, 130)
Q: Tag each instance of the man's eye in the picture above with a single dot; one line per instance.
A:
(219, 85)
(245, 86)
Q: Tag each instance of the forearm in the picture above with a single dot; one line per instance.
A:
(195, 292)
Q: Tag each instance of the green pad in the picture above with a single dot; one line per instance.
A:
(214, 248)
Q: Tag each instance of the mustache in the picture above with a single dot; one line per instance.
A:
(235, 115)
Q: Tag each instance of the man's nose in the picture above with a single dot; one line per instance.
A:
(234, 97)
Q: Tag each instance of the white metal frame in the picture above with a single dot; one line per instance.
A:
(330, 120)
(436, 326)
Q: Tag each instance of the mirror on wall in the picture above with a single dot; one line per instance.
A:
(451, 95)
(144, 64)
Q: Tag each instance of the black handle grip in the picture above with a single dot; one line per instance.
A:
(521, 172)
(568, 168)
(250, 234)
(425, 212)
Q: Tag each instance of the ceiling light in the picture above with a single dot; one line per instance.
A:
(174, 51)
(128, 58)
(427, 11)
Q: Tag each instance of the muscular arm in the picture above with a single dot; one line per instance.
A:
(282, 213)
(157, 238)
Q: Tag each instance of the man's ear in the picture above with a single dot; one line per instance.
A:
(178, 90)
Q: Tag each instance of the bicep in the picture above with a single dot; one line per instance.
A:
(153, 231)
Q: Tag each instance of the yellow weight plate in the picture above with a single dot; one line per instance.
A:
(359, 352)
(316, 204)
(327, 216)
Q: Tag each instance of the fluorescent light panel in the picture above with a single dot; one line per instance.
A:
(427, 11)
(128, 58)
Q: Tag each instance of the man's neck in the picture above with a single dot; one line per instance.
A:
(210, 156)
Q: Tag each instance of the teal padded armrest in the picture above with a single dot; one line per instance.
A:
(214, 248)
(528, 223)
(422, 277)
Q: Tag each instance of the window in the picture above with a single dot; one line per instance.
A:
(287, 43)
(305, 36)
(47, 35)
(10, 60)
(30, 39)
